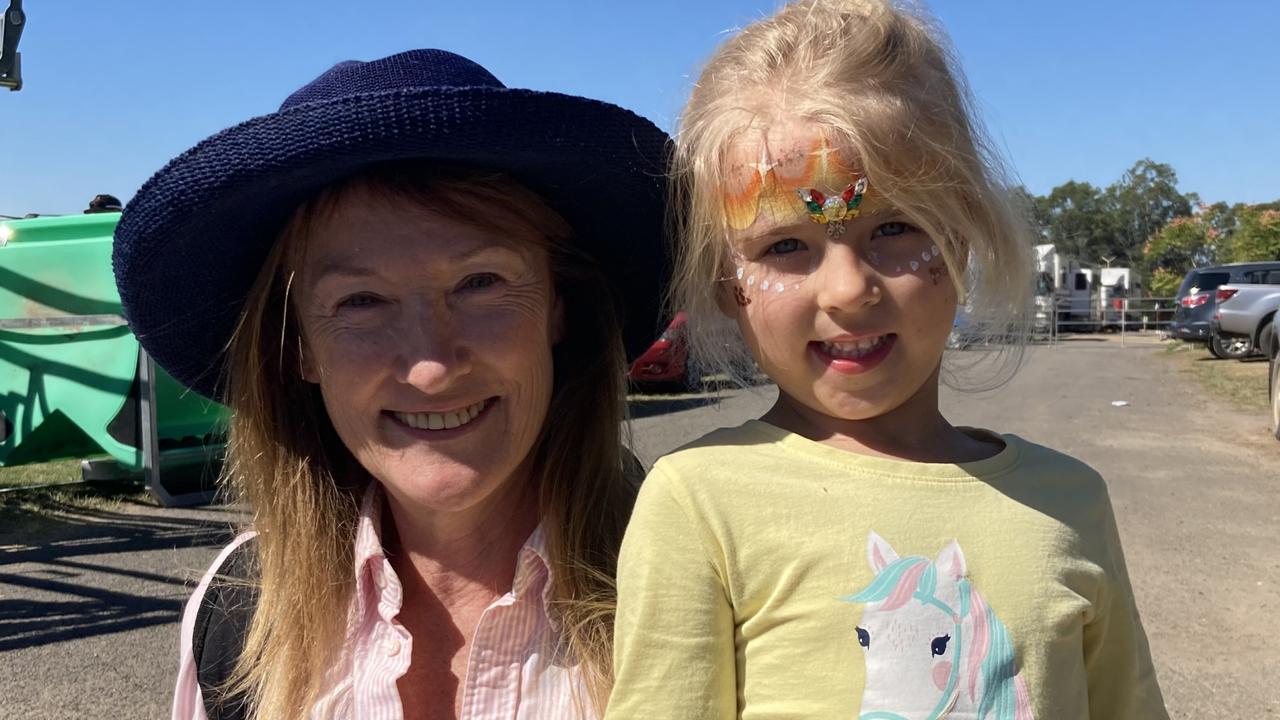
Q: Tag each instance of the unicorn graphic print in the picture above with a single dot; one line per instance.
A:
(933, 647)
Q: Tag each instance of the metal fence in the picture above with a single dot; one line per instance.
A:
(1147, 317)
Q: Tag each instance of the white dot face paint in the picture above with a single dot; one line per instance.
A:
(914, 266)
(751, 281)
(925, 256)
(764, 285)
(740, 272)
(779, 288)
(936, 252)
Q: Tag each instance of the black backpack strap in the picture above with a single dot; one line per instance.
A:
(221, 624)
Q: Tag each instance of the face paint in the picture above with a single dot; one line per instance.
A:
(788, 259)
(774, 202)
(802, 181)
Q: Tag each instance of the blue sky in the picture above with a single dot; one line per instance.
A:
(1075, 90)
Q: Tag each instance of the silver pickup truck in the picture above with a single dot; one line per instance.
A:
(1245, 313)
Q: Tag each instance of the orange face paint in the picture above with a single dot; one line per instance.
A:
(768, 186)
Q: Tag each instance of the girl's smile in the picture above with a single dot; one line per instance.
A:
(852, 357)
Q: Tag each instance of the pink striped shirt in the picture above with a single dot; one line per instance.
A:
(513, 673)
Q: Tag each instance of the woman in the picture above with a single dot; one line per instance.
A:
(409, 286)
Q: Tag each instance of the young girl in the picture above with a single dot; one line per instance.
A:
(851, 554)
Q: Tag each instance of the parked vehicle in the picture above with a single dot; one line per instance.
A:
(1195, 301)
(1272, 351)
(665, 363)
(1243, 315)
(1115, 287)
(1073, 297)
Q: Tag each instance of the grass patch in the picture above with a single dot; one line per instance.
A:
(32, 507)
(48, 473)
(1242, 384)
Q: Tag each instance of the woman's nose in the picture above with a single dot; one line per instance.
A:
(846, 281)
(432, 352)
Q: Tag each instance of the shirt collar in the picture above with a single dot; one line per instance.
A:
(376, 580)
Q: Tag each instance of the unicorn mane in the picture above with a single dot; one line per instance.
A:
(991, 651)
(898, 582)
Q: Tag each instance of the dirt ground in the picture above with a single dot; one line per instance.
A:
(88, 613)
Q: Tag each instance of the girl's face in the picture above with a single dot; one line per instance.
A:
(849, 317)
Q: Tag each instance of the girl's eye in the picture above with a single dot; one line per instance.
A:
(479, 281)
(890, 229)
(360, 300)
(864, 638)
(785, 247)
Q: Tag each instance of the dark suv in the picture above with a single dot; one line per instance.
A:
(1195, 301)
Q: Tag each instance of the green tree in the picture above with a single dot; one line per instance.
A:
(1256, 236)
(1139, 206)
(1074, 217)
(1182, 244)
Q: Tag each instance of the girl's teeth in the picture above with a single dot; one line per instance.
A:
(853, 350)
(441, 421)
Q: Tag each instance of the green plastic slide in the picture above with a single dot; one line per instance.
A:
(68, 365)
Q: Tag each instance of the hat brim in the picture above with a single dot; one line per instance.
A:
(192, 241)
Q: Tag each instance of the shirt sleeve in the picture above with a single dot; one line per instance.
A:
(674, 653)
(188, 701)
(1121, 676)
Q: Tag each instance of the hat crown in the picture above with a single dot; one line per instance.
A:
(412, 70)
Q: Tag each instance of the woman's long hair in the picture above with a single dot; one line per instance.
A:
(288, 464)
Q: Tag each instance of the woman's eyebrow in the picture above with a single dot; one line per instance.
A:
(342, 270)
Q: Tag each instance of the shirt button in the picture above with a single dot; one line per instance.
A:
(391, 646)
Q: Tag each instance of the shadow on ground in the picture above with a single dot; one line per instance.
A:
(655, 405)
(56, 583)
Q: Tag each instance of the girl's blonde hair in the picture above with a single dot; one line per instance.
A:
(287, 463)
(877, 79)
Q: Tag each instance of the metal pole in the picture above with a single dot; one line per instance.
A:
(150, 437)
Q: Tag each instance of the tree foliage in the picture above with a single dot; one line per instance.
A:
(1098, 225)
(1143, 221)
(1256, 236)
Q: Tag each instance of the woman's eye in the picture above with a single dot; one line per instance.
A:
(358, 301)
(785, 247)
(479, 281)
(891, 229)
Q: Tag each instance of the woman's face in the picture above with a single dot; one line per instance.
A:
(430, 340)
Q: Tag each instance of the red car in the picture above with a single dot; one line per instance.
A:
(666, 360)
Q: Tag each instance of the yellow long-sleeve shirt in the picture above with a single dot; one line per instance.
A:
(765, 575)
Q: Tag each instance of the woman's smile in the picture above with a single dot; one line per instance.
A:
(432, 425)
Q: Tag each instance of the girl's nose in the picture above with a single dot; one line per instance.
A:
(846, 282)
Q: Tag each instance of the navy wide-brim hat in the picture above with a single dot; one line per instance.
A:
(193, 240)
